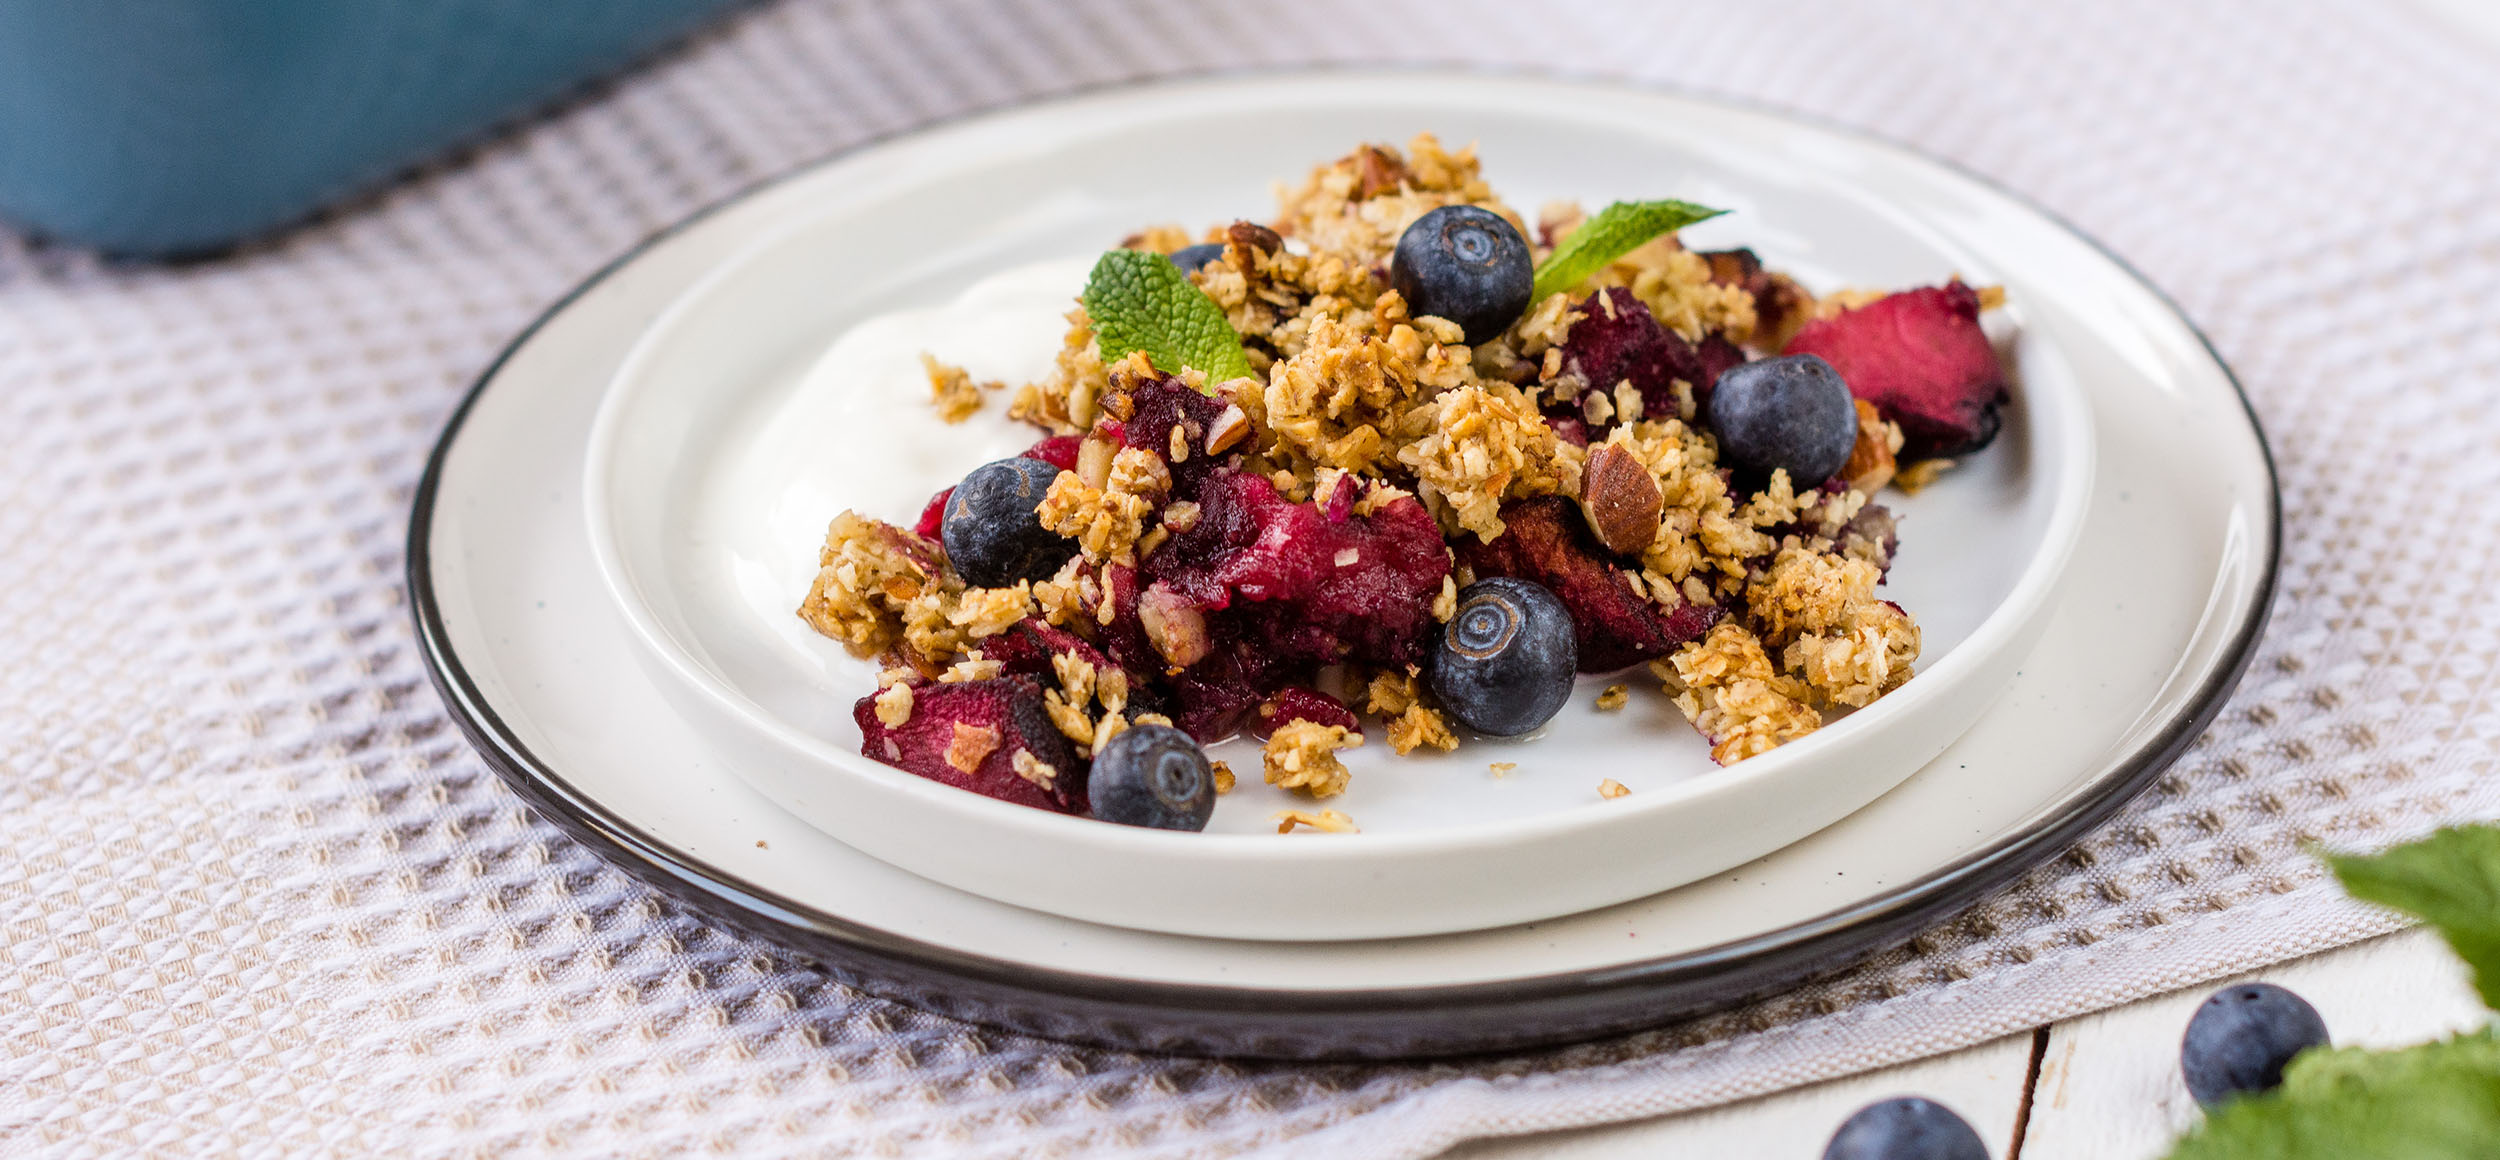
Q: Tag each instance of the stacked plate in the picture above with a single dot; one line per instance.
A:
(608, 544)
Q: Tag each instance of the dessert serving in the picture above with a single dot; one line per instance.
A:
(1402, 462)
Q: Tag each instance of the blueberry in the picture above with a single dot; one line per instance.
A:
(1791, 412)
(1153, 775)
(993, 536)
(2240, 1039)
(1189, 258)
(1908, 1128)
(1506, 659)
(1467, 265)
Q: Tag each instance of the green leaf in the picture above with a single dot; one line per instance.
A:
(1615, 231)
(2450, 880)
(1141, 301)
(2438, 1101)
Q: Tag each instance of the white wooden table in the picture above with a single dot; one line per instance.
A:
(2103, 1087)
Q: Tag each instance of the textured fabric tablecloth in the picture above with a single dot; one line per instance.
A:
(258, 898)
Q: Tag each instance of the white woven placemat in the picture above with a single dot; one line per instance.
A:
(257, 897)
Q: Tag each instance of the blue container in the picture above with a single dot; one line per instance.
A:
(179, 127)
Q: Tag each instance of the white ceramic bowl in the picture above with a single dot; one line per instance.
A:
(717, 457)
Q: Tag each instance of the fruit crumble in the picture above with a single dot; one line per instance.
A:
(1404, 454)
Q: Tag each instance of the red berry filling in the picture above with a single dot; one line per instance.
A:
(1544, 540)
(968, 735)
(1314, 584)
(1161, 408)
(1618, 340)
(1922, 359)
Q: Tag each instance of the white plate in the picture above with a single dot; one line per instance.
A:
(2167, 593)
(720, 455)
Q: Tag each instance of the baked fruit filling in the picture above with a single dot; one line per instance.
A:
(1399, 454)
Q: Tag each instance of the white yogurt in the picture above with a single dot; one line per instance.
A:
(857, 431)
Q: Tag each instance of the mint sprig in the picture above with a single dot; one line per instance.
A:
(1617, 230)
(2450, 880)
(1141, 301)
(2436, 1101)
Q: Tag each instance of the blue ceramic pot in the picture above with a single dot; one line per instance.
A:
(176, 127)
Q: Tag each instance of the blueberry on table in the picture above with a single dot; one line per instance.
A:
(1154, 776)
(1506, 658)
(2239, 1040)
(992, 533)
(1467, 265)
(1790, 413)
(1189, 258)
(1908, 1128)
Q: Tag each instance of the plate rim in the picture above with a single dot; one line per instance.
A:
(1771, 959)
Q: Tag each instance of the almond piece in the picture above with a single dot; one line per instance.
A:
(1620, 499)
(1230, 426)
(1871, 464)
(1093, 460)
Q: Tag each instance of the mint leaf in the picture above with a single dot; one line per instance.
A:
(2438, 1101)
(1141, 301)
(2450, 880)
(1615, 231)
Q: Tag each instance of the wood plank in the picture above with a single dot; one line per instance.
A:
(1983, 1083)
(2109, 1083)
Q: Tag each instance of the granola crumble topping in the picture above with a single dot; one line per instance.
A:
(894, 705)
(1302, 755)
(952, 390)
(1034, 769)
(1727, 687)
(1107, 521)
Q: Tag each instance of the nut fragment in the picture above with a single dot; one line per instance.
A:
(1175, 626)
(1229, 427)
(1620, 499)
(1093, 460)
(1379, 170)
(1871, 462)
(1253, 236)
(971, 744)
(1326, 821)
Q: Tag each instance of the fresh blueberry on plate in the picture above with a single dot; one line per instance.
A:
(1790, 413)
(1154, 776)
(993, 534)
(2239, 1040)
(1908, 1128)
(1506, 658)
(1467, 265)
(1189, 258)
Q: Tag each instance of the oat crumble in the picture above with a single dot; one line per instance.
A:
(952, 390)
(1302, 755)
